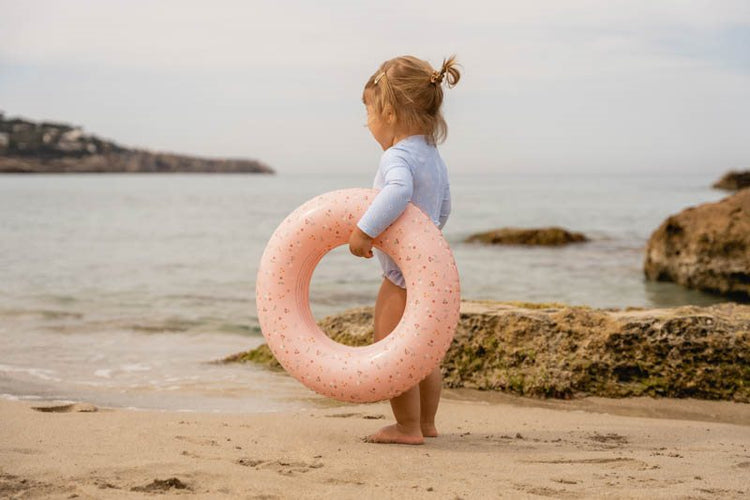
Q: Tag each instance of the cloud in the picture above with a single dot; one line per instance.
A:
(547, 84)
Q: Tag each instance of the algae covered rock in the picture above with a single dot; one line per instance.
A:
(549, 236)
(705, 247)
(561, 352)
(552, 350)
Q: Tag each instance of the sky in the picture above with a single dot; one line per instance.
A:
(547, 86)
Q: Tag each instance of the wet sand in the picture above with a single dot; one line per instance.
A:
(496, 447)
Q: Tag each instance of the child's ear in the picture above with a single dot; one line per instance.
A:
(389, 115)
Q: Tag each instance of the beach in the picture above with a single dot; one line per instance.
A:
(185, 309)
(122, 294)
(489, 447)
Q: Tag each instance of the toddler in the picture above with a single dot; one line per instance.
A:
(403, 100)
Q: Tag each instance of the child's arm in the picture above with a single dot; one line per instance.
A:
(390, 202)
(387, 206)
(445, 207)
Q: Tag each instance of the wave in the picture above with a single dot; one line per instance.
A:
(43, 313)
(40, 373)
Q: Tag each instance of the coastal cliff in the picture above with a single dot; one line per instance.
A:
(553, 350)
(733, 180)
(47, 147)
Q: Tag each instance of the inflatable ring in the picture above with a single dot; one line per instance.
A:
(386, 368)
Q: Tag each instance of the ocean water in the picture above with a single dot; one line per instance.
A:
(122, 290)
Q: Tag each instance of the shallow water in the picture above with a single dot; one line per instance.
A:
(120, 289)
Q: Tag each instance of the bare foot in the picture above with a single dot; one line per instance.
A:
(395, 434)
(429, 431)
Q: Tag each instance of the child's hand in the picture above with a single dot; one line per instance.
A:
(360, 244)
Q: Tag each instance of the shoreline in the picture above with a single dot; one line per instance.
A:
(685, 409)
(507, 447)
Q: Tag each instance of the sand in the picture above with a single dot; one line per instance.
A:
(490, 447)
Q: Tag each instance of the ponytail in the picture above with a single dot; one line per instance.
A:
(448, 68)
(413, 90)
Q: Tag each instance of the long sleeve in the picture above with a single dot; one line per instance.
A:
(445, 207)
(391, 201)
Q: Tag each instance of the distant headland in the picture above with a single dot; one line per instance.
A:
(47, 147)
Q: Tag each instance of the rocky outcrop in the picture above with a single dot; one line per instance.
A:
(549, 236)
(46, 147)
(705, 247)
(552, 350)
(734, 180)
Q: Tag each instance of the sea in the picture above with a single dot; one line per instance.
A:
(125, 290)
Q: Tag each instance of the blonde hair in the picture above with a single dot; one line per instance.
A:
(413, 91)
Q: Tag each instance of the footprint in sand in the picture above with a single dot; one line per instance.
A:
(198, 441)
(343, 415)
(162, 485)
(70, 408)
(338, 480)
(349, 415)
(12, 486)
(250, 462)
(283, 467)
(611, 438)
(614, 462)
(543, 491)
(607, 441)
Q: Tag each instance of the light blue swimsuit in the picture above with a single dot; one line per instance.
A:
(410, 170)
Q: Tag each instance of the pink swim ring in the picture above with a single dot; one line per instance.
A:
(386, 368)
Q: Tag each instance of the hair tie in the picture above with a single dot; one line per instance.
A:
(437, 77)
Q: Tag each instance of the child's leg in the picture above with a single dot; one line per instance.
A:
(429, 396)
(389, 308)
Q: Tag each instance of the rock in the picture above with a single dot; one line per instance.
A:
(552, 350)
(29, 147)
(734, 180)
(705, 247)
(69, 408)
(550, 236)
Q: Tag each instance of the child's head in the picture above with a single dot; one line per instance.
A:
(411, 90)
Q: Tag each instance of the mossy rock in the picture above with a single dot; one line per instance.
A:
(551, 350)
(549, 236)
